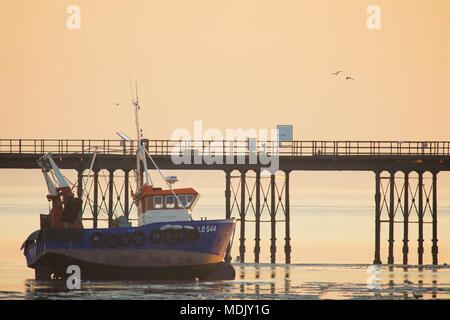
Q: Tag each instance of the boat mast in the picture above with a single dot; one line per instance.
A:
(136, 113)
(142, 152)
(139, 154)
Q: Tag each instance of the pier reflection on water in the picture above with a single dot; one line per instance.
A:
(346, 281)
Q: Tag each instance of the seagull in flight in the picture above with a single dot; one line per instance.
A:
(117, 103)
(337, 73)
(349, 78)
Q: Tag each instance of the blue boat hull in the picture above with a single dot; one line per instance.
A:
(188, 250)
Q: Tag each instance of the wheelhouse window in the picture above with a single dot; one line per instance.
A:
(170, 202)
(182, 200)
(157, 202)
(185, 200)
(190, 198)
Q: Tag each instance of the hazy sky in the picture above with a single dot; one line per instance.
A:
(232, 64)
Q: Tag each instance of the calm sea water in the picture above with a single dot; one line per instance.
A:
(253, 281)
(332, 251)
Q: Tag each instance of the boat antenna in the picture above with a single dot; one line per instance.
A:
(135, 103)
(139, 154)
(137, 107)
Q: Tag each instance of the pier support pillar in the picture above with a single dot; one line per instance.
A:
(227, 195)
(434, 248)
(228, 209)
(273, 239)
(95, 209)
(257, 215)
(242, 216)
(80, 183)
(391, 218)
(111, 198)
(420, 222)
(405, 218)
(287, 246)
(377, 258)
(126, 195)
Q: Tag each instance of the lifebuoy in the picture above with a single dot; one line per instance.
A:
(139, 238)
(96, 239)
(194, 235)
(125, 239)
(112, 240)
(169, 236)
(155, 236)
(182, 235)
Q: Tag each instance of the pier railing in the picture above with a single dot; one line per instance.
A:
(227, 147)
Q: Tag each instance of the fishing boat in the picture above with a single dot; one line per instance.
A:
(167, 243)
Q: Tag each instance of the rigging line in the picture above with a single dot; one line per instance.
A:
(88, 194)
(90, 187)
(118, 194)
(85, 205)
(70, 183)
(168, 184)
(89, 172)
(98, 207)
(118, 200)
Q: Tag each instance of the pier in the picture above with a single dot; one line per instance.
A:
(399, 168)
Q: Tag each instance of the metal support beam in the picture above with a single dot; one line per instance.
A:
(273, 239)
(242, 216)
(420, 240)
(227, 195)
(95, 209)
(80, 183)
(391, 218)
(126, 191)
(377, 258)
(111, 198)
(228, 209)
(258, 216)
(434, 248)
(287, 246)
(405, 218)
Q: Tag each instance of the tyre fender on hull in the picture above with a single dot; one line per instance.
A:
(169, 236)
(183, 235)
(156, 236)
(112, 240)
(97, 239)
(139, 238)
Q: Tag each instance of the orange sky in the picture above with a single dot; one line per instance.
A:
(232, 64)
